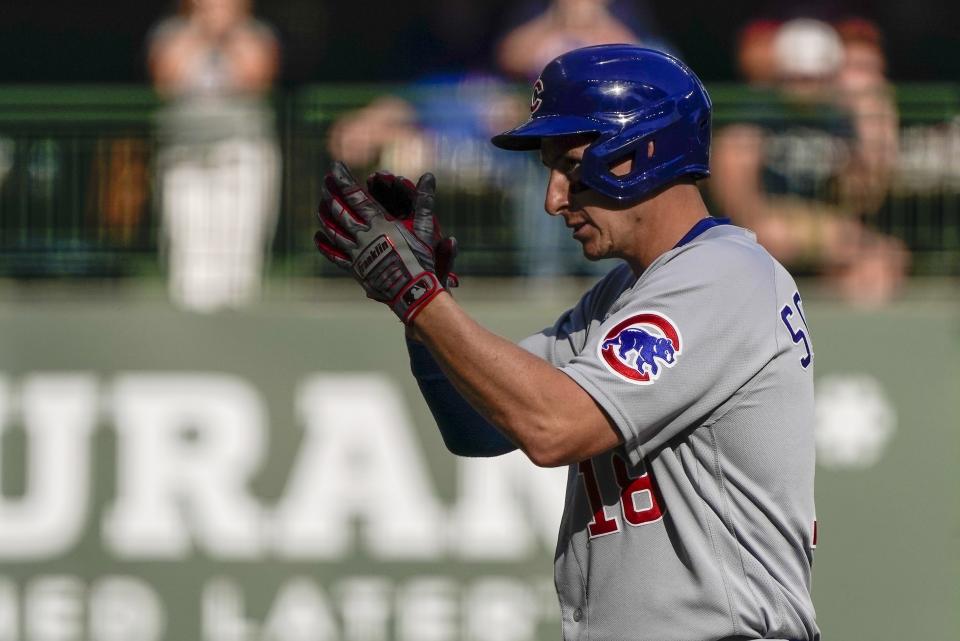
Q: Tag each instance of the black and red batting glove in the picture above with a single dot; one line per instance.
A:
(398, 195)
(391, 263)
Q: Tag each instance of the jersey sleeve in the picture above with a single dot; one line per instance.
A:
(556, 344)
(683, 341)
(464, 431)
(566, 338)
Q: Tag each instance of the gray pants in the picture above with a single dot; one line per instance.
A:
(220, 206)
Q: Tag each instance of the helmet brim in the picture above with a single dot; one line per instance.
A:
(527, 136)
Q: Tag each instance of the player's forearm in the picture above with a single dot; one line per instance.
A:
(522, 395)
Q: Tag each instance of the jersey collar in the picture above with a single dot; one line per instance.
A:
(702, 225)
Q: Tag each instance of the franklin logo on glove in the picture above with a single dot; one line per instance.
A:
(372, 255)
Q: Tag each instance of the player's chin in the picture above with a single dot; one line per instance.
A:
(593, 252)
(595, 245)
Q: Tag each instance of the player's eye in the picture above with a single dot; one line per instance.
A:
(573, 175)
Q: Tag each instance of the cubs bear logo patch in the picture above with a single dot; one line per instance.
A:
(639, 347)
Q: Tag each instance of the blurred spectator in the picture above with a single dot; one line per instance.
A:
(756, 59)
(555, 27)
(121, 185)
(563, 25)
(804, 170)
(866, 94)
(219, 161)
(361, 137)
(443, 125)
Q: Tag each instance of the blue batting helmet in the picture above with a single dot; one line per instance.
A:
(628, 96)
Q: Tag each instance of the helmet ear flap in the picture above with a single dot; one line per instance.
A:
(641, 156)
(703, 130)
(658, 156)
(622, 165)
(613, 165)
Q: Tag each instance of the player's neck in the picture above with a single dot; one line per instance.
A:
(663, 220)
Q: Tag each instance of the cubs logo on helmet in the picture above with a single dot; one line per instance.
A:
(639, 347)
(537, 98)
(626, 97)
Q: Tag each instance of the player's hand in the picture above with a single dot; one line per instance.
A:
(389, 261)
(398, 195)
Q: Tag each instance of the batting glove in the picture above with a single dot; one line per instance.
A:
(391, 263)
(398, 195)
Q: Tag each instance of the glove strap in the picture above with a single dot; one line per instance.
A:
(422, 289)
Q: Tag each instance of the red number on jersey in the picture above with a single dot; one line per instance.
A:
(599, 524)
(638, 498)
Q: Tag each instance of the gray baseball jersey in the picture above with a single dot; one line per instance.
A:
(701, 525)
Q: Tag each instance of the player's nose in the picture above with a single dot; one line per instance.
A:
(558, 191)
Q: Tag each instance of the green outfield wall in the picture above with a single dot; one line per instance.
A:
(273, 475)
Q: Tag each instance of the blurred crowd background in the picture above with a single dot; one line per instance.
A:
(171, 473)
(185, 141)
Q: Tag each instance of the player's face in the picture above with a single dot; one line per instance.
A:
(602, 225)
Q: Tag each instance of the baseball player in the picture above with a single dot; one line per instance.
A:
(678, 390)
